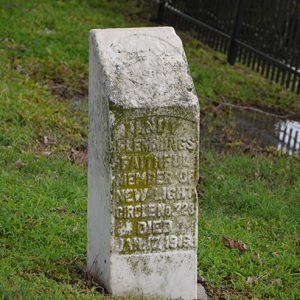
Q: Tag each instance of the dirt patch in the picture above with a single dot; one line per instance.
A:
(222, 293)
(68, 84)
(60, 88)
(65, 92)
(79, 156)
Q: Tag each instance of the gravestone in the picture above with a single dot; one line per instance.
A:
(143, 164)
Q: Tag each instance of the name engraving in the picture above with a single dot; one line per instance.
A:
(154, 165)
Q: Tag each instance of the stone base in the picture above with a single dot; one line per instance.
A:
(201, 294)
(154, 275)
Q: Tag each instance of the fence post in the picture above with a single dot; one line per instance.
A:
(232, 54)
(161, 10)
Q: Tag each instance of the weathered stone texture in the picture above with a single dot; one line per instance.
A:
(143, 164)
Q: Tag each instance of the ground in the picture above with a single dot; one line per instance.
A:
(246, 195)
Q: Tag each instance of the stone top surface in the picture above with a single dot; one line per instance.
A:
(144, 67)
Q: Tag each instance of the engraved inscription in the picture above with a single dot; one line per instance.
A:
(154, 204)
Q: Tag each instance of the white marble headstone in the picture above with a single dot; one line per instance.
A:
(143, 164)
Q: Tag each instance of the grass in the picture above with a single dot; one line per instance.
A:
(256, 201)
(43, 138)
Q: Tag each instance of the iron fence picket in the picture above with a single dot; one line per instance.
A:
(294, 149)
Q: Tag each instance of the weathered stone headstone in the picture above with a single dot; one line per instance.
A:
(143, 164)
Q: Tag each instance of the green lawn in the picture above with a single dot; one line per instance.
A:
(43, 186)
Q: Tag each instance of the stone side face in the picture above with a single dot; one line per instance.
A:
(149, 217)
(99, 177)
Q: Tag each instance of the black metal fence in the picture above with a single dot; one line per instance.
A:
(262, 34)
